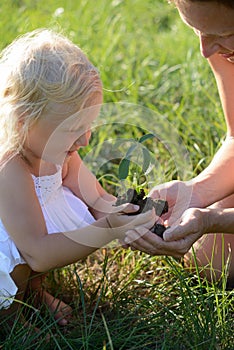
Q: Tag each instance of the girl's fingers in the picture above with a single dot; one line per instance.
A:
(125, 208)
(136, 234)
(147, 219)
(130, 208)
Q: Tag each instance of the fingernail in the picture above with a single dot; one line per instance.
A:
(166, 236)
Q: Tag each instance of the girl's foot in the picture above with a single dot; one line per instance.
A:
(60, 310)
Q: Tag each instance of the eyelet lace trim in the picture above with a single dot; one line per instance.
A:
(47, 185)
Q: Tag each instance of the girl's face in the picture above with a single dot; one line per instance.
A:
(56, 136)
(214, 25)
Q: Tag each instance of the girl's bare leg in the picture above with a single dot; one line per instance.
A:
(20, 275)
(60, 310)
(214, 252)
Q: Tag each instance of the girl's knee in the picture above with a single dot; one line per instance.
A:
(20, 275)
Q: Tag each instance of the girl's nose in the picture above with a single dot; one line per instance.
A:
(208, 45)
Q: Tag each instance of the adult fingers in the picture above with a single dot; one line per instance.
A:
(136, 242)
(175, 233)
(154, 245)
(123, 244)
(181, 230)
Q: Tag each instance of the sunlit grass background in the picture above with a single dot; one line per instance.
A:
(123, 299)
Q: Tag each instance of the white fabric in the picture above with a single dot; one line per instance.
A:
(62, 210)
(8, 287)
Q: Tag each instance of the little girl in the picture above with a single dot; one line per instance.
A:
(53, 211)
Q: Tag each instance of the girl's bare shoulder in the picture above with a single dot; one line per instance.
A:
(18, 197)
(14, 174)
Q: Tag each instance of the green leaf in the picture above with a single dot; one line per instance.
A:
(124, 168)
(146, 159)
(146, 137)
(130, 150)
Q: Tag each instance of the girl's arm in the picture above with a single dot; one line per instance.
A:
(23, 219)
(78, 178)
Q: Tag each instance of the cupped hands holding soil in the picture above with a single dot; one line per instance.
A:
(145, 204)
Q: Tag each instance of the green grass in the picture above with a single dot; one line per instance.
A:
(148, 58)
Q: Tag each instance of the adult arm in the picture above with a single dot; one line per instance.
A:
(216, 181)
(196, 221)
(211, 185)
(179, 238)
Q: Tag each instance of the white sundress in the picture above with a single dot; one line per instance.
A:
(62, 210)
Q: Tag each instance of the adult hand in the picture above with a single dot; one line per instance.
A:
(178, 239)
(152, 244)
(193, 224)
(180, 196)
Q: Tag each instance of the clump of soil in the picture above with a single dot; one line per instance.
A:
(145, 204)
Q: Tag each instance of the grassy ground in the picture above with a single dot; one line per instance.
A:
(148, 58)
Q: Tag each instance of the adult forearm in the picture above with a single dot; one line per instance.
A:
(216, 181)
(219, 220)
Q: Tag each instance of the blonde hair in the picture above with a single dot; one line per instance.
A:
(37, 69)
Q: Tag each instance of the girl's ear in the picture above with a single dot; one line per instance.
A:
(95, 98)
(21, 121)
(23, 124)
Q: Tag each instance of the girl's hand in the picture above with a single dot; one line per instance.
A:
(119, 223)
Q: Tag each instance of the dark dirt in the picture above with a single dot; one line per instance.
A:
(145, 204)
